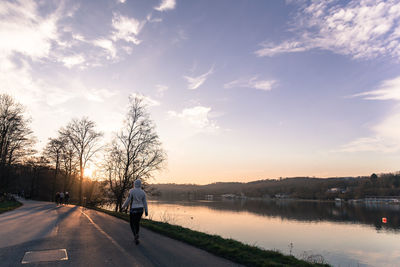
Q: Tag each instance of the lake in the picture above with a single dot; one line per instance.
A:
(343, 234)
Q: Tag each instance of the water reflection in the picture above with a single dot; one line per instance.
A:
(345, 235)
(308, 211)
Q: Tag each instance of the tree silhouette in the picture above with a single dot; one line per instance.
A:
(16, 138)
(84, 139)
(53, 152)
(134, 153)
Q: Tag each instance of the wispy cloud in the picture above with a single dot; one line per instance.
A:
(196, 82)
(146, 99)
(126, 29)
(107, 45)
(360, 29)
(197, 117)
(98, 95)
(253, 82)
(161, 89)
(23, 30)
(70, 61)
(389, 90)
(150, 18)
(30, 33)
(166, 5)
(386, 134)
(367, 144)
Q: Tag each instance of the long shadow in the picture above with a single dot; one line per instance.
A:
(63, 216)
(12, 255)
(149, 255)
(27, 211)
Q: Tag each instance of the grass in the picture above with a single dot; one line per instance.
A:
(8, 205)
(228, 248)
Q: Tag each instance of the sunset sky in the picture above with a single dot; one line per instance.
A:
(238, 90)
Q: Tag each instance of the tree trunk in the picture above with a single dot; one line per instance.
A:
(80, 181)
(55, 180)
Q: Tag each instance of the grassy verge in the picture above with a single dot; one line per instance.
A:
(227, 248)
(7, 205)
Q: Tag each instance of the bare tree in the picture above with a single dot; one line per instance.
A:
(16, 138)
(69, 164)
(84, 139)
(134, 153)
(53, 152)
(36, 165)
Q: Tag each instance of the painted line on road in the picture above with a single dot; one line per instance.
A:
(45, 256)
(108, 237)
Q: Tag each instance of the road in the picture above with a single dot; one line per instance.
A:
(38, 232)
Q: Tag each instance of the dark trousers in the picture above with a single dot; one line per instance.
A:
(135, 216)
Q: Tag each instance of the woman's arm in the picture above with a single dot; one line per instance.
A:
(127, 201)
(146, 212)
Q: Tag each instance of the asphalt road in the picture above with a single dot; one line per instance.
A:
(90, 238)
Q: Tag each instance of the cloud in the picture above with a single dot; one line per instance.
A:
(389, 90)
(166, 5)
(197, 117)
(78, 37)
(107, 45)
(98, 95)
(386, 134)
(270, 49)
(51, 35)
(253, 82)
(161, 89)
(146, 99)
(367, 144)
(18, 80)
(360, 29)
(24, 31)
(126, 29)
(385, 137)
(71, 61)
(196, 82)
(150, 18)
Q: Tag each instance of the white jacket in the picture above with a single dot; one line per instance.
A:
(137, 197)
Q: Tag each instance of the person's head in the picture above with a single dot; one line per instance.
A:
(138, 183)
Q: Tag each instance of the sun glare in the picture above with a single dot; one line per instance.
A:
(89, 172)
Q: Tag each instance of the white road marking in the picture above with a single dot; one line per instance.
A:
(45, 256)
(108, 237)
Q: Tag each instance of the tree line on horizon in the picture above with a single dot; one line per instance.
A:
(134, 152)
(385, 184)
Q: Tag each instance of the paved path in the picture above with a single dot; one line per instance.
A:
(90, 238)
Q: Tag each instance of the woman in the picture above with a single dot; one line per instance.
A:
(137, 199)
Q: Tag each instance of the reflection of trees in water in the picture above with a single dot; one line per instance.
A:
(310, 211)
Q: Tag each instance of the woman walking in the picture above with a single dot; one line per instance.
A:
(138, 202)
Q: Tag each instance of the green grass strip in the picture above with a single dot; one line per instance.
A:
(8, 205)
(228, 248)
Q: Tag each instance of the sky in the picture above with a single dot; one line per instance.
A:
(239, 90)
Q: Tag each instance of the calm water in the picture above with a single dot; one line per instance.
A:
(345, 235)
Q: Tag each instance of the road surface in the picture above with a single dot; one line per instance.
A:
(44, 234)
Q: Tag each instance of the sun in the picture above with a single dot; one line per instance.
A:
(89, 171)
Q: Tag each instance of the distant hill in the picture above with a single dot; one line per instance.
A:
(295, 187)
